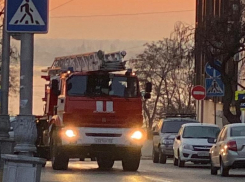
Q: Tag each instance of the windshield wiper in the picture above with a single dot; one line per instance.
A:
(76, 94)
(116, 96)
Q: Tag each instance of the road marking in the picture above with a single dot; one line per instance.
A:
(157, 179)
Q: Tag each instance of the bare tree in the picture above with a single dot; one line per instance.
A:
(14, 59)
(222, 38)
(168, 64)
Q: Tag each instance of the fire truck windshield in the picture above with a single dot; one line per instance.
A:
(102, 85)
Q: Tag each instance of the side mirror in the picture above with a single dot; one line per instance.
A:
(55, 87)
(147, 96)
(178, 137)
(55, 110)
(148, 87)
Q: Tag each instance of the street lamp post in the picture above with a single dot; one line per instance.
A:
(6, 143)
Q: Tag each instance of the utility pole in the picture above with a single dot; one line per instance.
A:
(6, 143)
(26, 126)
(4, 117)
(25, 131)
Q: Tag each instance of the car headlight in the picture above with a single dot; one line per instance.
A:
(187, 147)
(167, 142)
(138, 135)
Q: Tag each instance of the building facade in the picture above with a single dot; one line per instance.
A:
(206, 10)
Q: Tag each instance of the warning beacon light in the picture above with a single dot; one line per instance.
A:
(123, 53)
(70, 70)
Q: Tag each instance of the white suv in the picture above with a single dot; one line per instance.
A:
(193, 143)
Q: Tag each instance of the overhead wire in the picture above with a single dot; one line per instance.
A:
(114, 15)
(65, 3)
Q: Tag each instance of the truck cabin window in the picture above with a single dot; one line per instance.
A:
(102, 85)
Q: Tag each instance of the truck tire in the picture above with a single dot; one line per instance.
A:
(59, 159)
(132, 161)
(105, 164)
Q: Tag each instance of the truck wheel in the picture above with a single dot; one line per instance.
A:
(155, 156)
(105, 164)
(132, 161)
(163, 158)
(59, 160)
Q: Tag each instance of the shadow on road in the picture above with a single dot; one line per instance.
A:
(197, 166)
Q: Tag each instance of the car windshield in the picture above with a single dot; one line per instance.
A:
(102, 85)
(238, 131)
(173, 126)
(201, 132)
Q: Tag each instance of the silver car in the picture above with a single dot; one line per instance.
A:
(229, 150)
(163, 137)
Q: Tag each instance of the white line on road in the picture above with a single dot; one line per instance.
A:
(157, 179)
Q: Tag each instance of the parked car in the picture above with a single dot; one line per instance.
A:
(193, 143)
(163, 137)
(229, 150)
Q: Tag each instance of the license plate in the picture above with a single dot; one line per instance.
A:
(103, 140)
(203, 154)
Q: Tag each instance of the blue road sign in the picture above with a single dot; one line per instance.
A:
(27, 16)
(240, 97)
(214, 87)
(211, 71)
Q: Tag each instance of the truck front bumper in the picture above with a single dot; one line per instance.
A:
(112, 151)
(95, 142)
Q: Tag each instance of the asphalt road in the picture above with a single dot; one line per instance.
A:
(87, 171)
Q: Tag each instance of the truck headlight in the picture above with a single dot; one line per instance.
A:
(138, 135)
(70, 133)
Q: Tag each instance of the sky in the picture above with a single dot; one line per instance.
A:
(117, 19)
(148, 20)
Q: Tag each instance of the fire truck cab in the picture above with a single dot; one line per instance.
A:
(93, 110)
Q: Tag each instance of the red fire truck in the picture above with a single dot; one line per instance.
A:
(93, 109)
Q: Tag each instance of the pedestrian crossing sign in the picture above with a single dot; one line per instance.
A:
(27, 16)
(214, 87)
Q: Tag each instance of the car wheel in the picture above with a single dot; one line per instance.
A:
(155, 156)
(175, 161)
(213, 169)
(163, 158)
(223, 169)
(180, 162)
